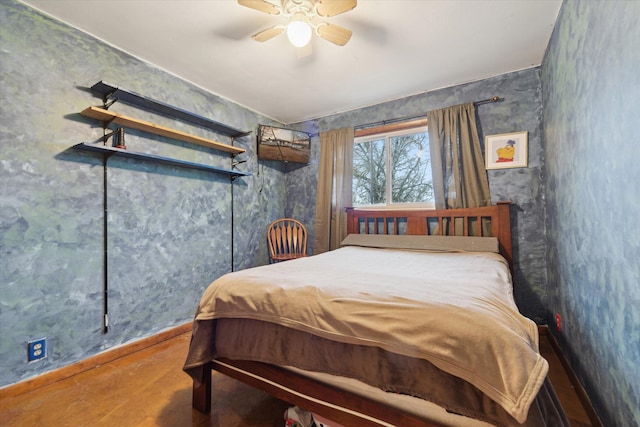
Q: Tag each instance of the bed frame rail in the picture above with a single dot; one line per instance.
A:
(346, 409)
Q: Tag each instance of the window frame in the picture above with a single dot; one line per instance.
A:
(386, 132)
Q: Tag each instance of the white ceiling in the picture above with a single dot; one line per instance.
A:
(399, 48)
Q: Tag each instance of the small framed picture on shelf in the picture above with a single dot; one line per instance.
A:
(507, 150)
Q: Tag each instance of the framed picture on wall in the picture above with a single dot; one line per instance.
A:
(507, 150)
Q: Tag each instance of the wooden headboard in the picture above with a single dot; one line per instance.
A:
(453, 222)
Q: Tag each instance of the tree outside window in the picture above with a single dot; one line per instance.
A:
(393, 169)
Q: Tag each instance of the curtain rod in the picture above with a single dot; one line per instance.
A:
(404, 119)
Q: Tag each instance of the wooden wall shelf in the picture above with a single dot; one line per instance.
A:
(113, 93)
(108, 116)
(110, 151)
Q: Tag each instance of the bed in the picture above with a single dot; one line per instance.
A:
(411, 322)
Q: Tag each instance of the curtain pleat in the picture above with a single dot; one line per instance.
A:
(335, 172)
(459, 177)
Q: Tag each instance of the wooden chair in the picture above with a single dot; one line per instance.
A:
(287, 239)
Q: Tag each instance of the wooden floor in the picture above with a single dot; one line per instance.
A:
(149, 388)
(568, 396)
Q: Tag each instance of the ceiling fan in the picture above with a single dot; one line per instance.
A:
(303, 16)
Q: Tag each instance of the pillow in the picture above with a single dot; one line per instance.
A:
(432, 243)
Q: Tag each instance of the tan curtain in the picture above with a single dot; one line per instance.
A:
(459, 176)
(334, 188)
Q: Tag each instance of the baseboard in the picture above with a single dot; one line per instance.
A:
(90, 362)
(577, 386)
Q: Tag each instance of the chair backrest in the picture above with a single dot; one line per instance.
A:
(287, 239)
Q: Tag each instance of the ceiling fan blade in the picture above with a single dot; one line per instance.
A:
(268, 34)
(334, 33)
(261, 6)
(327, 8)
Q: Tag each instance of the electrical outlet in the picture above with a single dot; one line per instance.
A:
(37, 349)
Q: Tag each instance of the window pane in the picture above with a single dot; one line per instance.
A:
(411, 180)
(369, 176)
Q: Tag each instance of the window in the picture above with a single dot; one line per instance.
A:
(393, 169)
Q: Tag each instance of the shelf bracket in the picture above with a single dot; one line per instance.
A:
(106, 135)
(118, 138)
(107, 103)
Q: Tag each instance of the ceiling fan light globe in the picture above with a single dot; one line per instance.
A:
(299, 33)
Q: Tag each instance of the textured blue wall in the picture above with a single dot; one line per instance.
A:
(169, 229)
(591, 81)
(520, 110)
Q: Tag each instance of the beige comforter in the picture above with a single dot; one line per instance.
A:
(455, 310)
